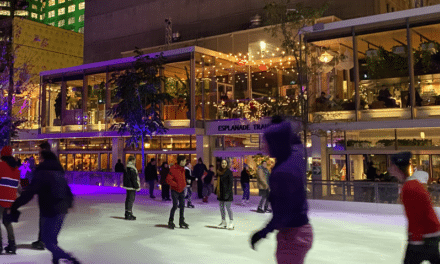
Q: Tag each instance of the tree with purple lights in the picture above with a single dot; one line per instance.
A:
(140, 94)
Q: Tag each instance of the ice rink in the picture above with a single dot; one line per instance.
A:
(95, 232)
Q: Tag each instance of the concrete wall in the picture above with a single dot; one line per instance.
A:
(114, 26)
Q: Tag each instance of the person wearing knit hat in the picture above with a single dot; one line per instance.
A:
(423, 224)
(9, 183)
(288, 195)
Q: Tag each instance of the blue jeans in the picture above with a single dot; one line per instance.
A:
(151, 185)
(246, 191)
(50, 228)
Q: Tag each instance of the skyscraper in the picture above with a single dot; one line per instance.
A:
(66, 14)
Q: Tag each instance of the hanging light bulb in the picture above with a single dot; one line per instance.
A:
(325, 57)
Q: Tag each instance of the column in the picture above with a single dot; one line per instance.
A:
(412, 89)
(63, 102)
(108, 103)
(115, 153)
(192, 91)
(203, 149)
(85, 94)
(356, 76)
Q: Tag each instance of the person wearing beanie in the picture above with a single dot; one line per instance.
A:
(423, 223)
(9, 182)
(225, 194)
(288, 195)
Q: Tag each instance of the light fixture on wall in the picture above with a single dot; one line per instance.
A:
(325, 57)
(263, 46)
(422, 135)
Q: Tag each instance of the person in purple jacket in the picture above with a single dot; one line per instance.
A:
(288, 195)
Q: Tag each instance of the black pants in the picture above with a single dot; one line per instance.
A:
(177, 198)
(165, 191)
(416, 254)
(129, 200)
(50, 228)
(200, 188)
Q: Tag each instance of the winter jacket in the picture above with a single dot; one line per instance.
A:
(50, 184)
(151, 172)
(287, 180)
(119, 167)
(422, 219)
(208, 177)
(262, 178)
(244, 176)
(163, 175)
(189, 177)
(199, 169)
(9, 181)
(224, 186)
(131, 178)
(176, 178)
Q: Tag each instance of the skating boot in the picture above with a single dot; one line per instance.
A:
(259, 210)
(171, 225)
(183, 225)
(222, 224)
(231, 225)
(268, 210)
(38, 245)
(11, 248)
(190, 205)
(129, 216)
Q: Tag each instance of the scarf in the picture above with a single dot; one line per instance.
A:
(220, 172)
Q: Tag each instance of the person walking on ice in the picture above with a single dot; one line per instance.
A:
(176, 180)
(225, 182)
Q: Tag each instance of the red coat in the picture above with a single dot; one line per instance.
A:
(176, 179)
(9, 180)
(422, 219)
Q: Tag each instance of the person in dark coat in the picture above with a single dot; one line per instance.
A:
(189, 182)
(132, 184)
(119, 167)
(288, 195)
(199, 170)
(151, 176)
(245, 180)
(371, 172)
(164, 170)
(225, 195)
(54, 200)
(208, 183)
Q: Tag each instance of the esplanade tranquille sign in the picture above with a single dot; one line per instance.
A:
(237, 127)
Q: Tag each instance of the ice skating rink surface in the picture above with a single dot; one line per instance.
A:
(95, 232)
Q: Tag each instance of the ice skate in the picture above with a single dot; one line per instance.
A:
(183, 225)
(11, 248)
(38, 245)
(171, 225)
(190, 205)
(261, 211)
(222, 225)
(129, 216)
(231, 225)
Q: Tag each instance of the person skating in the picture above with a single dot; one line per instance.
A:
(208, 183)
(9, 183)
(245, 180)
(151, 176)
(54, 200)
(132, 185)
(225, 195)
(423, 223)
(189, 182)
(199, 171)
(119, 167)
(288, 196)
(263, 186)
(177, 181)
(164, 170)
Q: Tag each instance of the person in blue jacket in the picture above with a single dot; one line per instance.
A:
(288, 195)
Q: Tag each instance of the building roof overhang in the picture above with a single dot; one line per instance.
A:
(371, 24)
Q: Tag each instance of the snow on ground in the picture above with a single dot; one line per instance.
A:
(95, 232)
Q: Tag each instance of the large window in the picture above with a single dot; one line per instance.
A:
(81, 6)
(71, 8)
(51, 2)
(71, 20)
(61, 11)
(51, 14)
(338, 168)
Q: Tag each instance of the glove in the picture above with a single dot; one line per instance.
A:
(255, 238)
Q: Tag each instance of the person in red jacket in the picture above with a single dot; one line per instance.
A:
(177, 181)
(423, 224)
(9, 182)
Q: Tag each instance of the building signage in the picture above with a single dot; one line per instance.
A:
(237, 127)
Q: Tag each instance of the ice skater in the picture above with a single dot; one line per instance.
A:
(189, 182)
(54, 200)
(244, 180)
(208, 183)
(151, 176)
(132, 185)
(9, 183)
(423, 223)
(164, 170)
(199, 170)
(263, 186)
(176, 180)
(225, 195)
(288, 195)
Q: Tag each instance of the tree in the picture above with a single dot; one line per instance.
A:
(139, 89)
(287, 21)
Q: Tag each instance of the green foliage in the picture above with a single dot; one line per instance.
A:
(139, 90)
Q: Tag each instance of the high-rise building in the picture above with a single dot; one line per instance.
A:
(66, 14)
